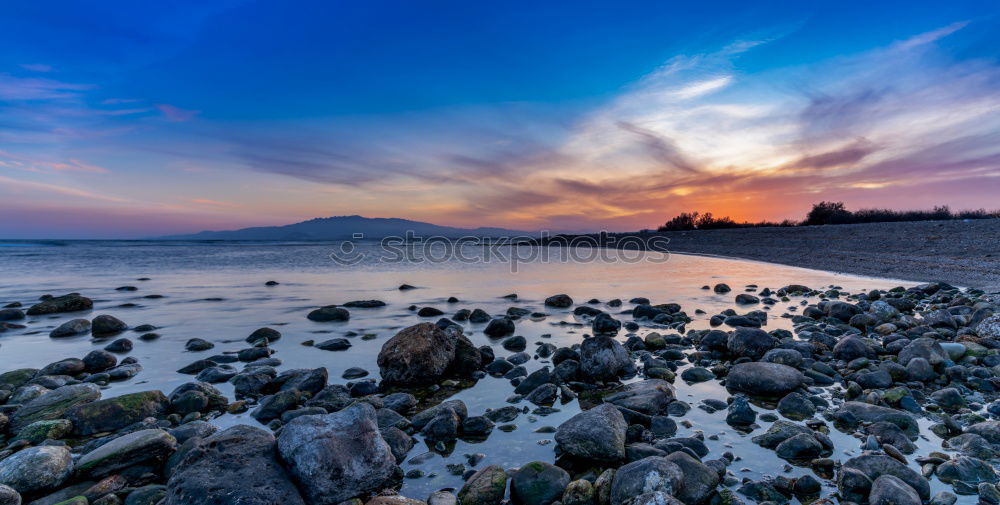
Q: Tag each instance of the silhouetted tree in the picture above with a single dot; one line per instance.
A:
(828, 213)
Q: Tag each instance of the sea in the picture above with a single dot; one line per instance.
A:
(218, 291)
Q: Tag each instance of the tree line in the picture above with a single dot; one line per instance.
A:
(826, 213)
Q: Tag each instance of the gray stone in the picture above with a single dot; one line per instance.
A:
(127, 450)
(764, 379)
(891, 490)
(699, 481)
(71, 328)
(9, 496)
(801, 446)
(603, 358)
(338, 456)
(113, 414)
(869, 413)
(796, 406)
(648, 475)
(66, 303)
(966, 469)
(779, 432)
(537, 483)
(876, 465)
(752, 343)
(237, 466)
(595, 434)
(851, 348)
(104, 324)
(53, 405)
(651, 397)
(424, 354)
(485, 487)
(36, 469)
(926, 348)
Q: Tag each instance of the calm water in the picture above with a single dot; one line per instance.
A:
(192, 277)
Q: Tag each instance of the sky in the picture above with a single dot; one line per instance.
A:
(135, 119)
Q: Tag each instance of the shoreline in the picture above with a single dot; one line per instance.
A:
(956, 252)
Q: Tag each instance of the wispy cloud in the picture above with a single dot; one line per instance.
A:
(31, 164)
(33, 88)
(37, 67)
(176, 114)
(22, 185)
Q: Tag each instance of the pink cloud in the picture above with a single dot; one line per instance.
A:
(214, 203)
(176, 114)
(11, 160)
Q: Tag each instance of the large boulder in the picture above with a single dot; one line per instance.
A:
(485, 487)
(699, 481)
(66, 303)
(752, 343)
(36, 469)
(113, 414)
(595, 434)
(604, 358)
(424, 354)
(54, 404)
(651, 396)
(237, 466)
(875, 465)
(764, 379)
(152, 445)
(339, 456)
(538, 483)
(648, 475)
(891, 490)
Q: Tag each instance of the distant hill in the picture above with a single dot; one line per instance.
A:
(344, 228)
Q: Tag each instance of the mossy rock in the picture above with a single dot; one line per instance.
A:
(485, 487)
(76, 500)
(38, 431)
(113, 414)
(19, 377)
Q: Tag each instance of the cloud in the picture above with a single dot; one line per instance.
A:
(32, 88)
(176, 114)
(37, 67)
(695, 134)
(21, 162)
(699, 132)
(215, 203)
(32, 186)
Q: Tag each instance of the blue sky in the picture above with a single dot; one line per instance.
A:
(122, 119)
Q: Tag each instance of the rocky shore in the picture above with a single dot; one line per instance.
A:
(963, 253)
(853, 394)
